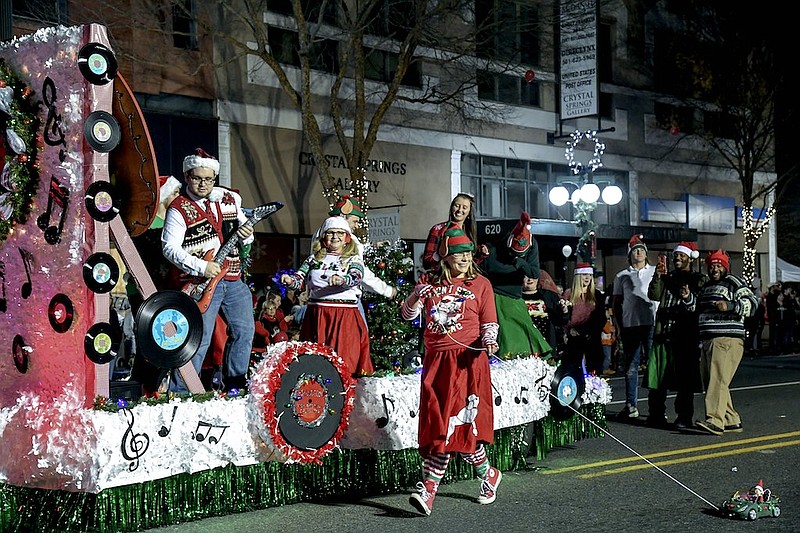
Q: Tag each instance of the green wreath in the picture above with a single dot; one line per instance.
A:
(19, 124)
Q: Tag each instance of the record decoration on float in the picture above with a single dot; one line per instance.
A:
(97, 63)
(566, 391)
(102, 131)
(169, 329)
(100, 272)
(101, 200)
(101, 342)
(303, 395)
(19, 351)
(60, 313)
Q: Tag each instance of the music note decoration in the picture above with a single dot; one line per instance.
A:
(164, 430)
(497, 399)
(522, 397)
(383, 421)
(542, 388)
(133, 445)
(58, 195)
(19, 176)
(209, 432)
(27, 262)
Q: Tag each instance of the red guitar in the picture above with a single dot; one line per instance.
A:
(201, 289)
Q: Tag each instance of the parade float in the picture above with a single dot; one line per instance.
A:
(79, 182)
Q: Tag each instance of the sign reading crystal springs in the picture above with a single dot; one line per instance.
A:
(579, 94)
(372, 166)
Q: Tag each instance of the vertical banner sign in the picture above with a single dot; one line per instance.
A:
(579, 93)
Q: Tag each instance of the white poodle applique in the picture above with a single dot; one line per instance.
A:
(466, 415)
(446, 314)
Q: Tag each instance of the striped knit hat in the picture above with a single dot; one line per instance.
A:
(455, 240)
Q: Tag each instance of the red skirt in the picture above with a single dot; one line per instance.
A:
(456, 411)
(343, 329)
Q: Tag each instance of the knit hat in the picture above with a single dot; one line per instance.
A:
(688, 248)
(718, 257)
(169, 185)
(347, 205)
(584, 268)
(335, 222)
(519, 241)
(636, 242)
(200, 159)
(454, 240)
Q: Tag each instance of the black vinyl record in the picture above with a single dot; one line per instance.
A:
(19, 351)
(102, 202)
(309, 402)
(60, 312)
(100, 272)
(102, 131)
(101, 342)
(169, 329)
(566, 391)
(97, 63)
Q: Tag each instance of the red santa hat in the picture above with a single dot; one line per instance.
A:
(168, 185)
(718, 257)
(200, 159)
(637, 241)
(688, 248)
(584, 268)
(519, 241)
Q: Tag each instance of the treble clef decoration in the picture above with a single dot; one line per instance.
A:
(134, 445)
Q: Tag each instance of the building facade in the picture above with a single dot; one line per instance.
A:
(509, 151)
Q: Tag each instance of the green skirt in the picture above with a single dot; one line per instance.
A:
(517, 333)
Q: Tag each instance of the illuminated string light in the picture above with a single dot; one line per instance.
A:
(575, 139)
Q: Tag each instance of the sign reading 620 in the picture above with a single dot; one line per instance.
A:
(492, 229)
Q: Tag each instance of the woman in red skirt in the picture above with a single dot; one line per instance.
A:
(333, 273)
(456, 394)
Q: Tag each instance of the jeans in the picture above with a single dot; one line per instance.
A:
(607, 350)
(235, 300)
(635, 341)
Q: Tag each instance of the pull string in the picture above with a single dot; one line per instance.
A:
(637, 454)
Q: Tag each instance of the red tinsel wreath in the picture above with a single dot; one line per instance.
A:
(266, 382)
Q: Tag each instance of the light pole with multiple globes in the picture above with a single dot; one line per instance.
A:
(585, 196)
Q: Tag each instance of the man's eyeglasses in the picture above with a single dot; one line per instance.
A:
(200, 179)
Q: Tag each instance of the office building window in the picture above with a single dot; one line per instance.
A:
(508, 89)
(381, 66)
(52, 11)
(184, 25)
(503, 188)
(285, 45)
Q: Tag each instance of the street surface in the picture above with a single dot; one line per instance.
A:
(636, 479)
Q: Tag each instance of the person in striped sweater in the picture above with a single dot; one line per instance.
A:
(723, 303)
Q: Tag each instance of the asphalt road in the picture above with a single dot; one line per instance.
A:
(635, 479)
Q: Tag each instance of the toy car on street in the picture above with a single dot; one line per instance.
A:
(748, 507)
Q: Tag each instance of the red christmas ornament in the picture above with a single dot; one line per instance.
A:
(2, 83)
(23, 158)
(530, 76)
(381, 265)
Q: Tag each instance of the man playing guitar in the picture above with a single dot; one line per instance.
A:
(197, 221)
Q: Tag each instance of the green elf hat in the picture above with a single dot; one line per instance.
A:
(347, 205)
(454, 241)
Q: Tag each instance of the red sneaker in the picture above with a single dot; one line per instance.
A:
(422, 500)
(489, 486)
